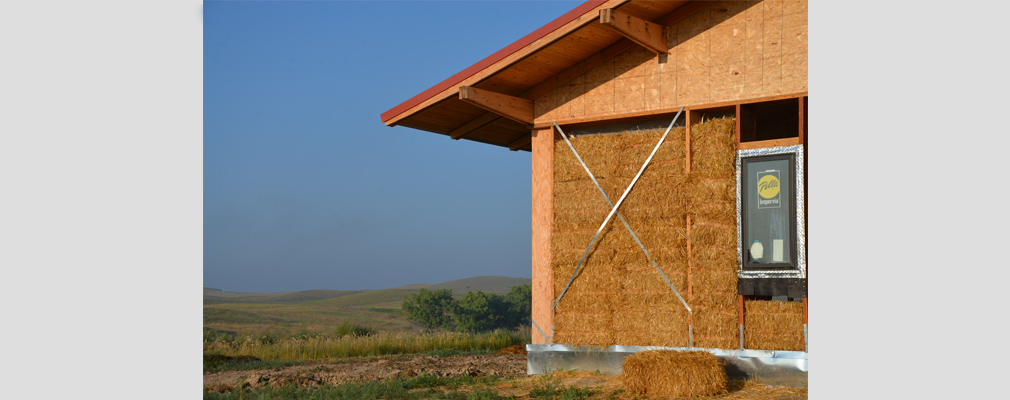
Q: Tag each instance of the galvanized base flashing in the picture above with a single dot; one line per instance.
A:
(765, 366)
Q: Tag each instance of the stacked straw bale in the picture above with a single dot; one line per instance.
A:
(773, 325)
(711, 198)
(618, 296)
(669, 373)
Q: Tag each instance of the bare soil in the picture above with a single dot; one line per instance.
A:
(363, 369)
(510, 367)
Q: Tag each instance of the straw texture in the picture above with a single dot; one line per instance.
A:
(773, 325)
(618, 296)
(674, 374)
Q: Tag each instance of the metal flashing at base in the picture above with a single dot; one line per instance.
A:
(766, 366)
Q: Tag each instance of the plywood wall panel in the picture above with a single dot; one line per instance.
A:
(771, 45)
(698, 21)
(727, 44)
(754, 39)
(794, 34)
(652, 90)
(727, 82)
(728, 12)
(794, 73)
(629, 94)
(728, 51)
(694, 87)
(693, 50)
(794, 7)
(753, 80)
(668, 89)
(771, 75)
(600, 98)
(772, 8)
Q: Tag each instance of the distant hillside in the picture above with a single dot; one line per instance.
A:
(275, 298)
(322, 310)
(486, 284)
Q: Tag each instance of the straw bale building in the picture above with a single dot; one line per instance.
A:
(707, 247)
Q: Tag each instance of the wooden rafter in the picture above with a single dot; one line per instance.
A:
(645, 33)
(473, 125)
(520, 143)
(514, 108)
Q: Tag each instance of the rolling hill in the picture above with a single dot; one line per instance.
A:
(319, 311)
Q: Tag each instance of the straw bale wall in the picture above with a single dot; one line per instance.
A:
(712, 207)
(618, 296)
(773, 325)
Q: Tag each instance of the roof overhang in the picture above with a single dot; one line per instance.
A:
(491, 101)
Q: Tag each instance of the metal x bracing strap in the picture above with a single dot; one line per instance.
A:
(614, 210)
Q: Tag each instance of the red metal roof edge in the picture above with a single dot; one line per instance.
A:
(497, 56)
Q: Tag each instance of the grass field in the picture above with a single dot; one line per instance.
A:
(314, 312)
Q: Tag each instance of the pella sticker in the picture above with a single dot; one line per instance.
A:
(768, 189)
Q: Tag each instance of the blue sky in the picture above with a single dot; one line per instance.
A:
(305, 188)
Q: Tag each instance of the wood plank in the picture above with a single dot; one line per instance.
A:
(687, 172)
(738, 131)
(507, 61)
(473, 125)
(514, 108)
(803, 119)
(542, 141)
(578, 69)
(760, 144)
(662, 111)
(645, 33)
(682, 12)
(522, 142)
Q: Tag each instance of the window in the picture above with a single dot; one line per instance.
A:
(770, 219)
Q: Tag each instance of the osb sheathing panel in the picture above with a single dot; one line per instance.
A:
(727, 51)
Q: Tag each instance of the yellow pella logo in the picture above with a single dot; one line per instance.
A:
(768, 186)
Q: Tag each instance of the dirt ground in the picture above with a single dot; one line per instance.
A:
(510, 367)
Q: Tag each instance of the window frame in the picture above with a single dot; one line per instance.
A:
(796, 269)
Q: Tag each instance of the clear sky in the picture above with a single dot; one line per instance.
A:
(305, 188)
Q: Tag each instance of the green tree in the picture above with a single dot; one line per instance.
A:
(431, 309)
(519, 303)
(479, 311)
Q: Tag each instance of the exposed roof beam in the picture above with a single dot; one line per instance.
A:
(645, 33)
(568, 23)
(521, 142)
(514, 108)
(473, 125)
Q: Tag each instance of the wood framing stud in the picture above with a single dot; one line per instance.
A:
(645, 33)
(542, 223)
(473, 125)
(514, 108)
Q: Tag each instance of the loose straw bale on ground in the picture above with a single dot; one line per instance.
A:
(674, 373)
(773, 325)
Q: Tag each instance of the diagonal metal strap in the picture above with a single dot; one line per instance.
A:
(538, 330)
(614, 210)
